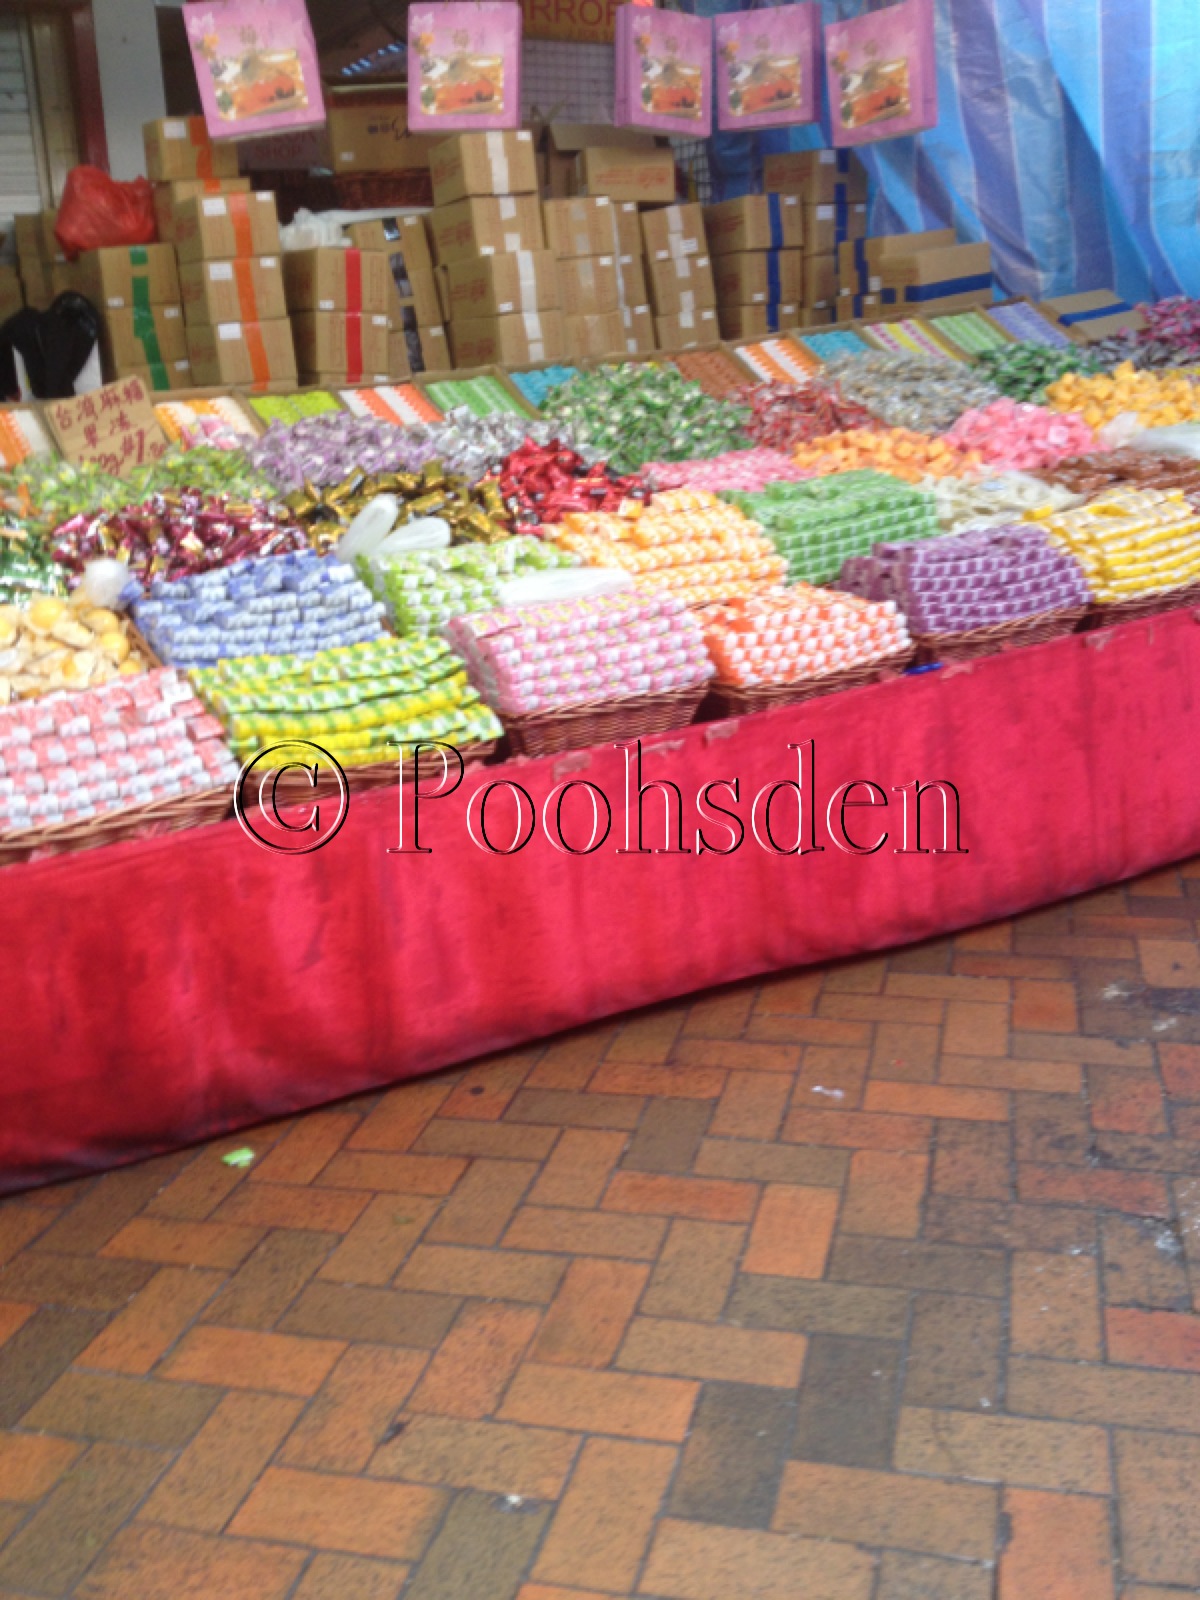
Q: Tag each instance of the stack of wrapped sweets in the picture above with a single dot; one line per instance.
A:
(1090, 475)
(737, 469)
(1017, 435)
(1022, 371)
(970, 580)
(293, 604)
(76, 756)
(49, 643)
(791, 635)
(358, 702)
(576, 652)
(424, 588)
(1156, 399)
(816, 526)
(1132, 542)
(896, 451)
(686, 542)
(475, 511)
(996, 502)
(910, 391)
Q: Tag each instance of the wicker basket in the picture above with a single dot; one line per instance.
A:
(999, 636)
(1142, 605)
(601, 722)
(154, 818)
(726, 700)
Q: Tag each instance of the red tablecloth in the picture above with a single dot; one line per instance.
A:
(158, 992)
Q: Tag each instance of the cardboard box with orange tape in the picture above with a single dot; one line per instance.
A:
(219, 227)
(247, 289)
(179, 147)
(248, 355)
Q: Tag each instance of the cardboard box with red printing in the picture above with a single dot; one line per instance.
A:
(333, 279)
(496, 286)
(681, 283)
(674, 231)
(486, 226)
(179, 147)
(589, 286)
(759, 277)
(583, 227)
(168, 195)
(247, 289)
(508, 341)
(755, 222)
(688, 329)
(482, 164)
(347, 345)
(219, 227)
(643, 176)
(248, 355)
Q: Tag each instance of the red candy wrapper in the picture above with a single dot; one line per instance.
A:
(787, 414)
(542, 483)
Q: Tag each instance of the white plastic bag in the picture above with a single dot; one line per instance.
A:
(579, 583)
(311, 230)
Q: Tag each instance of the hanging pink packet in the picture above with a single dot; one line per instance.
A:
(881, 70)
(256, 64)
(464, 66)
(768, 67)
(664, 72)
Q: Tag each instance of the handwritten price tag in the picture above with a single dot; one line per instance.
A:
(113, 428)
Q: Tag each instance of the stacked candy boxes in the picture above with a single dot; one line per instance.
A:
(358, 702)
(790, 635)
(290, 604)
(72, 757)
(815, 526)
(684, 542)
(576, 652)
(1132, 542)
(970, 580)
(424, 588)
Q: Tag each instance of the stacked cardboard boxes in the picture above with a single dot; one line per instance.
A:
(38, 257)
(338, 300)
(758, 263)
(564, 169)
(682, 289)
(831, 186)
(182, 162)
(497, 280)
(135, 288)
(416, 324)
(923, 272)
(597, 245)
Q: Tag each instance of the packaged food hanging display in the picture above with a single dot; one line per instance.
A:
(664, 72)
(464, 66)
(256, 64)
(768, 65)
(881, 71)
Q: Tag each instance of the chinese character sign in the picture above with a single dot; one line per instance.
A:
(767, 67)
(464, 66)
(256, 64)
(113, 428)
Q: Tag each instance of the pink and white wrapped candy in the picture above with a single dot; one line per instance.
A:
(1018, 436)
(736, 469)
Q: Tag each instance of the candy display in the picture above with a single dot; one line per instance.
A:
(907, 336)
(542, 483)
(784, 360)
(686, 541)
(899, 451)
(22, 434)
(424, 588)
(997, 501)
(786, 414)
(402, 403)
(75, 756)
(1023, 323)
(1091, 475)
(971, 331)
(49, 643)
(970, 580)
(472, 510)
(1169, 337)
(289, 408)
(219, 421)
(738, 469)
(173, 535)
(639, 412)
(1023, 371)
(292, 604)
(481, 396)
(716, 371)
(537, 384)
(362, 703)
(1132, 542)
(830, 343)
(1154, 399)
(816, 526)
(1015, 435)
(26, 566)
(910, 391)
(570, 653)
(790, 635)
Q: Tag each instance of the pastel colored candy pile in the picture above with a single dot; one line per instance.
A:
(1156, 399)
(218, 420)
(537, 384)
(908, 337)
(290, 408)
(48, 643)
(815, 526)
(828, 344)
(737, 469)
(424, 588)
(791, 635)
(402, 403)
(571, 652)
(970, 331)
(357, 702)
(899, 451)
(1016, 435)
(910, 391)
(970, 580)
(1022, 371)
(787, 414)
(685, 541)
(994, 502)
(293, 604)
(482, 396)
(638, 412)
(71, 757)
(1026, 324)
(1131, 542)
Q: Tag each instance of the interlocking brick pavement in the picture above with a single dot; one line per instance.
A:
(879, 1282)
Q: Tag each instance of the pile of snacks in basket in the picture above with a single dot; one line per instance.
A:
(575, 652)
(639, 412)
(685, 541)
(970, 580)
(48, 643)
(815, 526)
(424, 588)
(716, 371)
(896, 451)
(786, 414)
(1016, 435)
(219, 421)
(542, 483)
(1132, 542)
(26, 566)
(1169, 336)
(1028, 326)
(1023, 371)
(537, 384)
(793, 635)
(77, 756)
(293, 604)
(1156, 399)
(1089, 475)
(356, 701)
(910, 391)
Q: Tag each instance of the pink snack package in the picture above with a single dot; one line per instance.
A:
(256, 64)
(881, 70)
(768, 66)
(464, 66)
(664, 72)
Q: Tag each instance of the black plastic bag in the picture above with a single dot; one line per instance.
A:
(54, 345)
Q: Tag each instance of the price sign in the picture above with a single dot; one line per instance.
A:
(113, 428)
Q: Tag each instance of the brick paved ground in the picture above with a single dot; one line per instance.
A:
(872, 1283)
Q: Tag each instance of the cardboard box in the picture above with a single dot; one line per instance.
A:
(332, 279)
(962, 272)
(67, 277)
(592, 336)
(827, 226)
(129, 275)
(35, 281)
(589, 286)
(218, 227)
(249, 289)
(12, 297)
(168, 195)
(150, 336)
(434, 348)
(1092, 315)
(820, 177)
(682, 283)
(820, 283)
(423, 292)
(599, 227)
(859, 260)
(402, 237)
(179, 147)
(817, 316)
(640, 338)
(33, 234)
(509, 341)
(752, 322)
(375, 138)
(399, 364)
(755, 222)
(563, 142)
(482, 164)
(674, 231)
(643, 176)
(495, 286)
(856, 307)
(631, 278)
(442, 279)
(248, 355)
(162, 379)
(759, 278)
(351, 346)
(687, 330)
(486, 226)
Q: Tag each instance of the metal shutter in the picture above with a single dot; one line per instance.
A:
(20, 188)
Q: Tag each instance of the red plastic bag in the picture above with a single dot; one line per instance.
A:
(97, 212)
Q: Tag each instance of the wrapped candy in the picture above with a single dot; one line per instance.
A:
(1023, 371)
(1131, 542)
(638, 412)
(737, 469)
(1023, 323)
(1017, 436)
(910, 391)
(994, 502)
(971, 331)
(792, 635)
(400, 403)
(1090, 475)
(538, 384)
(424, 588)
(49, 643)
(290, 408)
(786, 414)
(908, 337)
(898, 451)
(1169, 336)
(827, 344)
(1155, 399)
(473, 511)
(716, 371)
(782, 360)
(541, 483)
(481, 396)
(218, 421)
